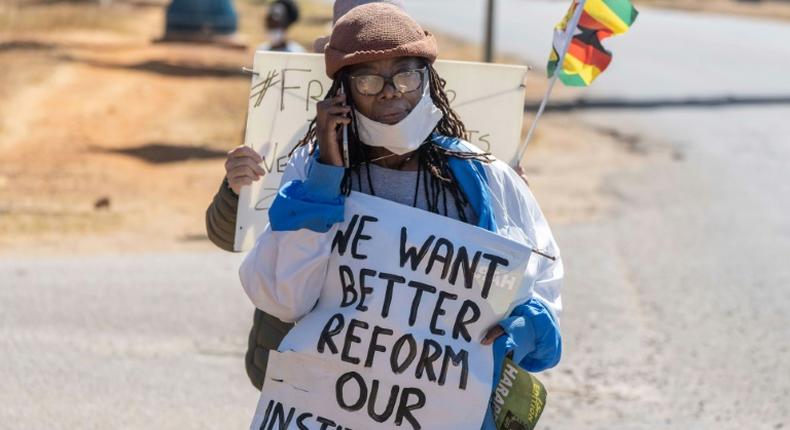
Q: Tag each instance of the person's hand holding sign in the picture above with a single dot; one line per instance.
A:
(532, 336)
(242, 167)
(332, 115)
(492, 334)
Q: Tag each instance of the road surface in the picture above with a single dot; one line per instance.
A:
(677, 302)
(124, 342)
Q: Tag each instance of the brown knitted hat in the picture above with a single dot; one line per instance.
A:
(341, 8)
(376, 31)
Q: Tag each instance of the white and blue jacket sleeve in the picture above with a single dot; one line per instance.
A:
(533, 326)
(303, 219)
(505, 205)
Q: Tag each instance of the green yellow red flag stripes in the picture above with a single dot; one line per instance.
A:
(584, 56)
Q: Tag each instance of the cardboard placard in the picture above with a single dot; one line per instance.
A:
(394, 339)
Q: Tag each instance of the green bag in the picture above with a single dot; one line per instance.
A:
(518, 400)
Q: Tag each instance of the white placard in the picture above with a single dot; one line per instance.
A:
(286, 87)
(394, 340)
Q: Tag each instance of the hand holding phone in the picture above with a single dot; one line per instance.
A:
(332, 117)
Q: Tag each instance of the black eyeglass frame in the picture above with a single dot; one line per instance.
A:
(390, 80)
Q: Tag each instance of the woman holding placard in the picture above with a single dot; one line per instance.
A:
(386, 129)
(243, 167)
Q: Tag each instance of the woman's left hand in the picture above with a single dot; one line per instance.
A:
(492, 334)
(532, 336)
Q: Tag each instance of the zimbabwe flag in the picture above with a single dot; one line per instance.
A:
(586, 58)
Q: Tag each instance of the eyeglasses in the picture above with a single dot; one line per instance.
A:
(404, 82)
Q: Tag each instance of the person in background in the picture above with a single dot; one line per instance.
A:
(281, 15)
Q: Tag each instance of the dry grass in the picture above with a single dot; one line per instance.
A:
(22, 223)
(18, 17)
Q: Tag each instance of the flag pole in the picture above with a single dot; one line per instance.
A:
(569, 30)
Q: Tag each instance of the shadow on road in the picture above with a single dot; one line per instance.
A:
(693, 102)
(201, 237)
(188, 69)
(179, 69)
(26, 45)
(162, 153)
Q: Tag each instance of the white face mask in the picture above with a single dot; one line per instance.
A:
(405, 136)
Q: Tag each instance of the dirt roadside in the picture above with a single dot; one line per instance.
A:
(112, 143)
(773, 9)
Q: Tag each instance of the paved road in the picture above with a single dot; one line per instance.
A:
(124, 342)
(677, 303)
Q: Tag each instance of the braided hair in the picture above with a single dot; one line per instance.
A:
(434, 175)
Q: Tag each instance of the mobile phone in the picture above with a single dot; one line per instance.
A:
(346, 161)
